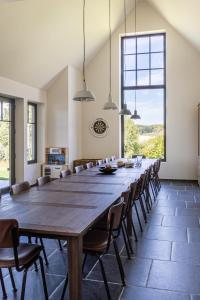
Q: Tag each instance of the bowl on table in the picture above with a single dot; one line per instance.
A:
(107, 169)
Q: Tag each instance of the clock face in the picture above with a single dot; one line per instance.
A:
(99, 127)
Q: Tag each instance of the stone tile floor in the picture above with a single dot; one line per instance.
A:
(166, 264)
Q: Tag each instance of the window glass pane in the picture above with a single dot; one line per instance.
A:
(129, 62)
(129, 45)
(30, 142)
(157, 77)
(142, 44)
(157, 60)
(143, 61)
(129, 78)
(145, 136)
(31, 113)
(6, 111)
(157, 43)
(143, 77)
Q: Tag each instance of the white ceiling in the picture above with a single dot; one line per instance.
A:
(183, 15)
(38, 38)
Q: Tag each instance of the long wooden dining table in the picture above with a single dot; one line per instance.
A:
(66, 208)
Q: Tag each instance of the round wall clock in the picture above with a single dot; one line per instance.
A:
(99, 128)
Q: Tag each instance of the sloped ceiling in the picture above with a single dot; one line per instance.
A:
(183, 15)
(38, 38)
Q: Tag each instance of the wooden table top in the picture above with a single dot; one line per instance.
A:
(68, 206)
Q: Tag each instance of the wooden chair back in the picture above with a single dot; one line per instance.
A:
(6, 233)
(65, 173)
(20, 187)
(43, 180)
(78, 169)
(89, 165)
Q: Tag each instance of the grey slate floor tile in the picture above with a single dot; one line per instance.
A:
(176, 234)
(187, 253)
(140, 293)
(180, 221)
(175, 276)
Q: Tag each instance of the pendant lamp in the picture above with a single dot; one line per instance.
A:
(110, 104)
(135, 115)
(85, 94)
(125, 111)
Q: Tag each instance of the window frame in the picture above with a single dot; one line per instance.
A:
(142, 87)
(34, 105)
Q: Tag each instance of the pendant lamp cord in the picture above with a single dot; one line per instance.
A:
(125, 39)
(136, 44)
(84, 41)
(110, 45)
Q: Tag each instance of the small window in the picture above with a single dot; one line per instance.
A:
(32, 133)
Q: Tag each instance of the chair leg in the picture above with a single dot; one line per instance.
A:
(60, 245)
(139, 221)
(128, 238)
(84, 261)
(43, 278)
(23, 284)
(3, 285)
(143, 210)
(12, 280)
(64, 288)
(134, 231)
(44, 252)
(121, 270)
(125, 241)
(30, 242)
(104, 278)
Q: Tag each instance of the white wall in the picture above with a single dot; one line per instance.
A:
(74, 115)
(64, 116)
(57, 111)
(22, 94)
(183, 94)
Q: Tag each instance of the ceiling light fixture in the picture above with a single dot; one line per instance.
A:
(110, 104)
(135, 115)
(125, 111)
(85, 94)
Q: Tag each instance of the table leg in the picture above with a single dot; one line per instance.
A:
(75, 267)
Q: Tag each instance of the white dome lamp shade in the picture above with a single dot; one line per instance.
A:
(110, 105)
(135, 115)
(85, 94)
(124, 110)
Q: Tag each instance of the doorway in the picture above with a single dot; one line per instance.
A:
(7, 143)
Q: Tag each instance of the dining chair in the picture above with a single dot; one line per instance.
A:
(102, 223)
(65, 173)
(20, 188)
(90, 165)
(97, 242)
(43, 180)
(135, 197)
(100, 162)
(21, 256)
(78, 169)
